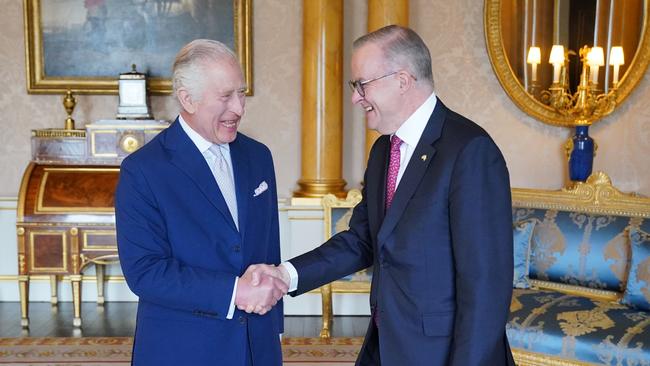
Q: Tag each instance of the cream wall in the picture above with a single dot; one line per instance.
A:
(463, 75)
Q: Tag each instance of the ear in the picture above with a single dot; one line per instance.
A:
(185, 98)
(405, 81)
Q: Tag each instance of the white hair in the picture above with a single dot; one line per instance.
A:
(188, 68)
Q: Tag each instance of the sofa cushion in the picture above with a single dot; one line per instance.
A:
(522, 232)
(577, 328)
(575, 248)
(637, 292)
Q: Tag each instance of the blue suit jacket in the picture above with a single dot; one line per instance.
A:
(442, 253)
(180, 252)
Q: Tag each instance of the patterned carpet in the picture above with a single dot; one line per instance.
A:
(116, 351)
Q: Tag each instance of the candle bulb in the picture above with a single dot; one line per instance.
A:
(557, 60)
(595, 59)
(534, 58)
(616, 59)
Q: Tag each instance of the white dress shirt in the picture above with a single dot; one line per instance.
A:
(410, 133)
(204, 148)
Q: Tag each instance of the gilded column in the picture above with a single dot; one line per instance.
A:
(322, 113)
(382, 13)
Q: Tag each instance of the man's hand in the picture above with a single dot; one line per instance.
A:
(257, 271)
(261, 296)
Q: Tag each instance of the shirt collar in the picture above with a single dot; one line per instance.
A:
(411, 130)
(202, 144)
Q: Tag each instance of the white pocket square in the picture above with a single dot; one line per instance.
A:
(261, 188)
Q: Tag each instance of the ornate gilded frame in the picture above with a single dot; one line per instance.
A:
(596, 196)
(330, 202)
(528, 104)
(40, 83)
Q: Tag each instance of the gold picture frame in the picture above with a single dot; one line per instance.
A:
(163, 39)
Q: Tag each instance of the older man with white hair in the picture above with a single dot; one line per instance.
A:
(194, 207)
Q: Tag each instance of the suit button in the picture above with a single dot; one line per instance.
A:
(242, 320)
(236, 248)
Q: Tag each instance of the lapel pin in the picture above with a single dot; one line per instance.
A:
(423, 157)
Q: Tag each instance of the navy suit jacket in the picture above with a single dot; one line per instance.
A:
(442, 253)
(180, 252)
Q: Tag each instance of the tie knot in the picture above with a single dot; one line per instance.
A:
(395, 143)
(215, 149)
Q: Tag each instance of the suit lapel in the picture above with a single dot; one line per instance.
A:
(241, 166)
(417, 166)
(376, 188)
(186, 157)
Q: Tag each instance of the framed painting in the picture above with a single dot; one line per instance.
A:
(83, 45)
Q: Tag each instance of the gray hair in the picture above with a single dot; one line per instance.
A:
(188, 68)
(402, 47)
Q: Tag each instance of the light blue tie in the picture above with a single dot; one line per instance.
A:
(221, 171)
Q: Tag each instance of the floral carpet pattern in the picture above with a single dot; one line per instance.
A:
(116, 351)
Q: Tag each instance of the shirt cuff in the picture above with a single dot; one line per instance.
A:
(293, 275)
(231, 309)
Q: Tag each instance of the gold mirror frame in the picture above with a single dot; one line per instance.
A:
(39, 83)
(525, 101)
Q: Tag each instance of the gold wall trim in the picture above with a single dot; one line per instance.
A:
(528, 104)
(9, 208)
(8, 199)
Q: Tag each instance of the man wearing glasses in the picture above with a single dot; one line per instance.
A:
(435, 220)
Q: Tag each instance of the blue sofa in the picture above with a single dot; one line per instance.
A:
(582, 276)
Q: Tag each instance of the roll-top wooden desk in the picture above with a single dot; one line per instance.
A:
(65, 222)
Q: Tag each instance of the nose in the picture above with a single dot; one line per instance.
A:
(237, 105)
(356, 97)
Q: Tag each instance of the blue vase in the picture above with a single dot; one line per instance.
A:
(581, 160)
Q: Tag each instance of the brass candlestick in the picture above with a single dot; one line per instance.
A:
(586, 105)
(69, 102)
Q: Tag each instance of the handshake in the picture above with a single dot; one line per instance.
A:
(261, 287)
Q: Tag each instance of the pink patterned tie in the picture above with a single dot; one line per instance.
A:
(393, 169)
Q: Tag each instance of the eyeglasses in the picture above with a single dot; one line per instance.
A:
(358, 84)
